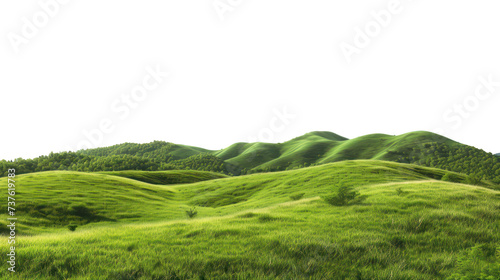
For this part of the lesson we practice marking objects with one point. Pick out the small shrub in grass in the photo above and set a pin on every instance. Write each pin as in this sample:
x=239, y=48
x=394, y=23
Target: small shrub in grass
x=400, y=192
x=296, y=196
x=72, y=227
x=247, y=215
x=191, y=213
x=344, y=196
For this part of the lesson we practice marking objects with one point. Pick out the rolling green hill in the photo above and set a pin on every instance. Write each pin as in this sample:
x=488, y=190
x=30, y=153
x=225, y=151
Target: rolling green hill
x=54, y=199
x=412, y=225
x=323, y=147
x=115, y=196
x=315, y=148
x=422, y=148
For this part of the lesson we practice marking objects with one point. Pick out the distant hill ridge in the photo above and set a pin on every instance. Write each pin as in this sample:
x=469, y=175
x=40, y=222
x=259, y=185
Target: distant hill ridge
x=314, y=148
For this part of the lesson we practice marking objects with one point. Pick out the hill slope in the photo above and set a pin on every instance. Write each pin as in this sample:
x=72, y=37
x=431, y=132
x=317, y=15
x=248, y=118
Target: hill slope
x=423, y=148
x=410, y=226
x=319, y=147
x=57, y=198
x=54, y=199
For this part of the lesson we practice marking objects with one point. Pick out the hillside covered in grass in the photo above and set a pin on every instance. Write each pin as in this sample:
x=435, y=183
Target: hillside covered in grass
x=411, y=225
x=315, y=148
x=324, y=147
x=57, y=198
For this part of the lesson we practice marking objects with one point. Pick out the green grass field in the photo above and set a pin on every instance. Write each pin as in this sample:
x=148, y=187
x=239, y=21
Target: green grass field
x=133, y=225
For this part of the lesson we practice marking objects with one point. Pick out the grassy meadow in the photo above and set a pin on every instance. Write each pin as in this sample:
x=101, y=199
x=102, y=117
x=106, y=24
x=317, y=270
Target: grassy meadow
x=133, y=225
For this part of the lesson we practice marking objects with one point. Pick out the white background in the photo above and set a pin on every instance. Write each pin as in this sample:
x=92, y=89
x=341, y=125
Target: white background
x=227, y=76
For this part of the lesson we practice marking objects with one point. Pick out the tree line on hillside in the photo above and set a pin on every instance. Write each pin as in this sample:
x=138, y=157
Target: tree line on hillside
x=157, y=150
x=159, y=155
x=87, y=163
x=465, y=159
